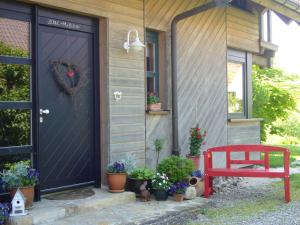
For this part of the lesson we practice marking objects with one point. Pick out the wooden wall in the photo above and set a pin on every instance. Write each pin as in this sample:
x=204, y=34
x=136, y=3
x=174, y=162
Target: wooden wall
x=125, y=71
x=242, y=30
x=158, y=16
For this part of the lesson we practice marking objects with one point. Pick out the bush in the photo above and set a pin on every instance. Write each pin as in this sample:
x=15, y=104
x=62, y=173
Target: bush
x=142, y=174
x=176, y=168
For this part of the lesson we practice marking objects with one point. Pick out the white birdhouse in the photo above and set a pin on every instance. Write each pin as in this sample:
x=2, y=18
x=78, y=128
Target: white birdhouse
x=18, y=205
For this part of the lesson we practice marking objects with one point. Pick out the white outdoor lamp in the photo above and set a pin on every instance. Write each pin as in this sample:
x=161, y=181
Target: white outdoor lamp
x=136, y=45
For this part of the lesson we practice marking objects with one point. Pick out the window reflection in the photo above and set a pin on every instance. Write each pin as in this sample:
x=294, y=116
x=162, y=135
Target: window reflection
x=14, y=37
x=235, y=74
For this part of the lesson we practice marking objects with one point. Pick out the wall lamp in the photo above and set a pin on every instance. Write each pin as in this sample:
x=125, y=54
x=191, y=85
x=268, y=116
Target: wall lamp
x=136, y=45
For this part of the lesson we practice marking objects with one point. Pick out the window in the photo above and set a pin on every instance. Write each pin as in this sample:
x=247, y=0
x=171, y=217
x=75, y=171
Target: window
x=155, y=65
x=238, y=84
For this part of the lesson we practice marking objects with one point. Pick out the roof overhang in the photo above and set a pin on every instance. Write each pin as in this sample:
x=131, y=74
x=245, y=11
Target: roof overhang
x=287, y=10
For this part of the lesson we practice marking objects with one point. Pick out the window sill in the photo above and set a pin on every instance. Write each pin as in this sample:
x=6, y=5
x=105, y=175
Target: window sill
x=245, y=120
x=158, y=112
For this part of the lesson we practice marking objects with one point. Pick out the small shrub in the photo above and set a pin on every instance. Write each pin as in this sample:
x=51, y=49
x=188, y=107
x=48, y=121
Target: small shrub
x=142, y=174
x=176, y=168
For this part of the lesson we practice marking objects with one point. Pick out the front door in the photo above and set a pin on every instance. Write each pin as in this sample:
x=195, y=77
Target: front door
x=66, y=97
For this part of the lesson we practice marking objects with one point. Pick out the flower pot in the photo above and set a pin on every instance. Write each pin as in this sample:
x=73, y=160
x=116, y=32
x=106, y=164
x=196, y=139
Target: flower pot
x=28, y=193
x=196, y=160
x=116, y=182
x=198, y=184
x=134, y=185
x=161, y=195
x=178, y=197
x=154, y=107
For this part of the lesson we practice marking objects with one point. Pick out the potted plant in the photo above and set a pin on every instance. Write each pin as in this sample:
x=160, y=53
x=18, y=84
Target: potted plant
x=196, y=140
x=137, y=177
x=4, y=213
x=21, y=175
x=158, y=145
x=116, y=177
x=178, y=190
x=176, y=168
x=161, y=185
x=153, y=103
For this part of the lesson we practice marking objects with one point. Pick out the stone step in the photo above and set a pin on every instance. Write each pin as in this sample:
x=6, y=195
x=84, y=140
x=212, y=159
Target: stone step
x=138, y=213
x=49, y=211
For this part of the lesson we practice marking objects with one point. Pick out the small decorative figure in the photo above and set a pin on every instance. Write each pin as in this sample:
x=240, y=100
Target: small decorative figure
x=18, y=205
x=145, y=194
x=190, y=193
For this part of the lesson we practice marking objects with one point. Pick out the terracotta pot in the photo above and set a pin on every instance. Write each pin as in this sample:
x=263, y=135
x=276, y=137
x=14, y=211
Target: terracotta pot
x=196, y=161
x=198, y=184
x=154, y=107
x=161, y=195
x=116, y=182
x=178, y=197
x=28, y=193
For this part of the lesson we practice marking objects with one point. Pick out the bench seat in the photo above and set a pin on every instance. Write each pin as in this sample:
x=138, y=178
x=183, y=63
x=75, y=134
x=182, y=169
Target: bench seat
x=271, y=173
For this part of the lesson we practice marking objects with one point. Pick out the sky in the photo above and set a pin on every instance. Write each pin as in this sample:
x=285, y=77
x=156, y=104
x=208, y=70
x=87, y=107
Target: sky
x=288, y=39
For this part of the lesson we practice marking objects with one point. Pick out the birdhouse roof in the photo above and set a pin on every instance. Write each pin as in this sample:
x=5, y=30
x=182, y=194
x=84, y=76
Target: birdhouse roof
x=18, y=195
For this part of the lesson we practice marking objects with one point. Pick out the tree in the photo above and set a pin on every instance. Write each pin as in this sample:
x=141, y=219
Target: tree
x=271, y=100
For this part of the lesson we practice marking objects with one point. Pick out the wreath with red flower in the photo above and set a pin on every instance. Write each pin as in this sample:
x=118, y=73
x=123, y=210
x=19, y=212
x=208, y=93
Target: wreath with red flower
x=76, y=80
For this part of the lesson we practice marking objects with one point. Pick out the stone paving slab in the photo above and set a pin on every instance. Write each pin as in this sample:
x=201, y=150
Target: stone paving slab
x=47, y=211
x=135, y=213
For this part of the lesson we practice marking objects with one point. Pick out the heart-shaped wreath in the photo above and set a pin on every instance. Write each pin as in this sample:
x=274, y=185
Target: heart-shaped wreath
x=75, y=79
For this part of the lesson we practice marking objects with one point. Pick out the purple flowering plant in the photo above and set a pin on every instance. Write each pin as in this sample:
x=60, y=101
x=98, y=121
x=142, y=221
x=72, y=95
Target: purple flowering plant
x=4, y=212
x=20, y=174
x=178, y=188
x=116, y=167
x=197, y=173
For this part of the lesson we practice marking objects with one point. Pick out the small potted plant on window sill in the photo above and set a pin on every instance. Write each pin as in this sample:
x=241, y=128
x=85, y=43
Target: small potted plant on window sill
x=153, y=103
x=21, y=176
x=116, y=177
x=196, y=140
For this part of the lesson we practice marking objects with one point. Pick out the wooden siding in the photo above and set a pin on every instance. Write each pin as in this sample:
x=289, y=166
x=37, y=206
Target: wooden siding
x=158, y=16
x=202, y=95
x=126, y=71
x=242, y=30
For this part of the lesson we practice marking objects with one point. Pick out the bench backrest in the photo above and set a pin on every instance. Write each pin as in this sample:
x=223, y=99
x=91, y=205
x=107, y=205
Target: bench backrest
x=247, y=149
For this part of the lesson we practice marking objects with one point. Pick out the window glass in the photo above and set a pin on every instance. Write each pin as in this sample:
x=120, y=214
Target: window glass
x=150, y=57
x=15, y=127
x=14, y=38
x=235, y=78
x=7, y=159
x=265, y=25
x=14, y=82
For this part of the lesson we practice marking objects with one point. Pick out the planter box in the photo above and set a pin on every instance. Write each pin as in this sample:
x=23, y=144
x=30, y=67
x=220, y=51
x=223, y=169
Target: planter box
x=154, y=107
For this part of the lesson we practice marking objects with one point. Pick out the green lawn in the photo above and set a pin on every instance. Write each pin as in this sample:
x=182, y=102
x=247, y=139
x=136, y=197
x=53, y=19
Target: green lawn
x=276, y=159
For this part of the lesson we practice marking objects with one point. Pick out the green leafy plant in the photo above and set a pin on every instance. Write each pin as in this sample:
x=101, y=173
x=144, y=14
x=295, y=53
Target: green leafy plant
x=142, y=174
x=271, y=99
x=196, y=140
x=161, y=182
x=176, y=168
x=152, y=98
x=158, y=145
x=20, y=174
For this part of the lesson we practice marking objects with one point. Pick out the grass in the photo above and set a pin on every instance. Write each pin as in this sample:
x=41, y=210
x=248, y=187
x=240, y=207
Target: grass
x=276, y=159
x=271, y=202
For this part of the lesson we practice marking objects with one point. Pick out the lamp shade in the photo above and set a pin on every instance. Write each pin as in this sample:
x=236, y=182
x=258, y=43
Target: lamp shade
x=137, y=44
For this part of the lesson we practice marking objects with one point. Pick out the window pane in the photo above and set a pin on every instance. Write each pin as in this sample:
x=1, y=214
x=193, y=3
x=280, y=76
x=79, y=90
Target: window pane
x=235, y=87
x=14, y=82
x=150, y=57
x=15, y=127
x=5, y=159
x=14, y=37
x=265, y=24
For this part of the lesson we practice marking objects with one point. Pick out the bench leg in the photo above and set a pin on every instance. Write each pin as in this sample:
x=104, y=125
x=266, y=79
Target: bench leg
x=287, y=189
x=206, y=186
x=211, y=189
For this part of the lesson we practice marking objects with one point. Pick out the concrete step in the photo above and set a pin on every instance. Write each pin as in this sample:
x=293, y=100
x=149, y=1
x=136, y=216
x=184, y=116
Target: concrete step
x=139, y=213
x=49, y=211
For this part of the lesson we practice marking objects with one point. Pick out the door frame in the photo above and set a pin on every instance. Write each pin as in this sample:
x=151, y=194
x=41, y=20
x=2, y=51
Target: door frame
x=23, y=10
x=96, y=96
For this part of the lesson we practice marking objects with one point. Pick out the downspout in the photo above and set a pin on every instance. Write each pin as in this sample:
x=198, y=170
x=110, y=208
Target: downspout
x=184, y=15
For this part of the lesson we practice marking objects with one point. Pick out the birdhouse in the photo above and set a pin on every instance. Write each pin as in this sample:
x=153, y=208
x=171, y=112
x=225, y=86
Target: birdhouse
x=18, y=204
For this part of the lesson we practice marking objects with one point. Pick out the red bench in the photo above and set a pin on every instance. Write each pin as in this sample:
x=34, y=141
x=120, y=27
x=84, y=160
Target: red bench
x=210, y=172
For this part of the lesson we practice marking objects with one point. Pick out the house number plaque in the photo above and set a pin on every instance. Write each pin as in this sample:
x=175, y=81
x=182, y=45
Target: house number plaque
x=65, y=24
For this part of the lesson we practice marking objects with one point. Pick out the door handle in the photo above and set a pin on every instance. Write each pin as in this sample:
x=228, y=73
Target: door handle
x=44, y=111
